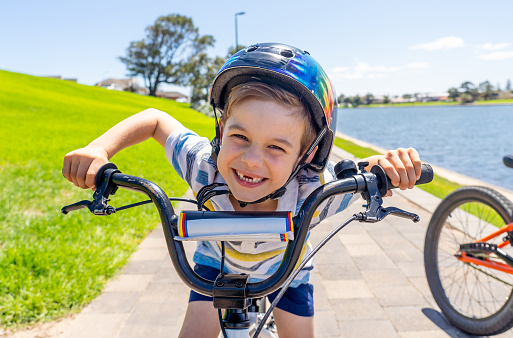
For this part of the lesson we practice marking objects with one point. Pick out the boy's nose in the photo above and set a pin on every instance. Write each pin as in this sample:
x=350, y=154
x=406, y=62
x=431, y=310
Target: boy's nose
x=253, y=157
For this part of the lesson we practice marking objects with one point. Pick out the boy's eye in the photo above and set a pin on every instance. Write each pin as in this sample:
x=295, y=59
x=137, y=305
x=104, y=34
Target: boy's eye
x=239, y=136
x=277, y=148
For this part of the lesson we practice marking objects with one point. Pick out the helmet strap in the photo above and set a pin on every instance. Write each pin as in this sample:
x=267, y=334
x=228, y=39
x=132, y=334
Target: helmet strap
x=216, y=141
x=208, y=191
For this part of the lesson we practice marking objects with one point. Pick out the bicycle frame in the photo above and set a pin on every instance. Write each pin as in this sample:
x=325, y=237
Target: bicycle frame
x=487, y=262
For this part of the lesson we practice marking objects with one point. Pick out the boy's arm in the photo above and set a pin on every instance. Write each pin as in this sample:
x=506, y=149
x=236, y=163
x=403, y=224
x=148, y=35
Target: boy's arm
x=402, y=166
x=80, y=166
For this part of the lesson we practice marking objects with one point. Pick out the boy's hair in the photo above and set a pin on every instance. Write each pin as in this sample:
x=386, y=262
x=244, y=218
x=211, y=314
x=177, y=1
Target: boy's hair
x=270, y=92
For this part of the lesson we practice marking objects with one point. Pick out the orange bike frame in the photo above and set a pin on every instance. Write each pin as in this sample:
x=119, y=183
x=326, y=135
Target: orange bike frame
x=492, y=264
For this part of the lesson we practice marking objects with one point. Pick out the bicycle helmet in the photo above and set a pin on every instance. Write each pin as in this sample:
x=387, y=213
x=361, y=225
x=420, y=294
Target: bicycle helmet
x=297, y=72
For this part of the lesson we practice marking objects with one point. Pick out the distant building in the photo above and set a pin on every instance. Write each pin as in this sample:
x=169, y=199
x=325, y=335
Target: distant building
x=433, y=97
x=380, y=99
x=59, y=77
x=178, y=97
x=401, y=100
x=503, y=95
x=127, y=85
x=131, y=85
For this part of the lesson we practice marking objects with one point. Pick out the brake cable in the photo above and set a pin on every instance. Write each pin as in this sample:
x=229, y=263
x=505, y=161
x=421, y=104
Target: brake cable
x=172, y=199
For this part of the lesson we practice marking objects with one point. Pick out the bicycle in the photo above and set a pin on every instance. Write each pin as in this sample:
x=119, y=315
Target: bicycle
x=234, y=293
x=468, y=259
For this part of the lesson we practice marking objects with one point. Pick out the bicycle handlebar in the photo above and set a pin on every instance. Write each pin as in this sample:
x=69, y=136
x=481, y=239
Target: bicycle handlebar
x=508, y=160
x=370, y=184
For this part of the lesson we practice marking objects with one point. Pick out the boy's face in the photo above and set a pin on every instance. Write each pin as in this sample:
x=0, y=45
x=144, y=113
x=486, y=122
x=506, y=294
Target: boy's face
x=260, y=146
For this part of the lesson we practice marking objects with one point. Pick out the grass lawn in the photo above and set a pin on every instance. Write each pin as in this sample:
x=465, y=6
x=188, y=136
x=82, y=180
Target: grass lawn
x=53, y=264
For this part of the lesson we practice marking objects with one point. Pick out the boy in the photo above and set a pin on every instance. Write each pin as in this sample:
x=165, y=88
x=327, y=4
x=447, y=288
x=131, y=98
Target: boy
x=271, y=150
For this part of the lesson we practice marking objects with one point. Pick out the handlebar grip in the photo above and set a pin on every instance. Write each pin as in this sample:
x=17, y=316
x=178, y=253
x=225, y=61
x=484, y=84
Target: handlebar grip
x=426, y=176
x=99, y=175
x=508, y=160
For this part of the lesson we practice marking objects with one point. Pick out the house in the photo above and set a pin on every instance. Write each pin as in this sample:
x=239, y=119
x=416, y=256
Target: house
x=399, y=100
x=433, y=97
x=504, y=95
x=131, y=85
x=128, y=85
x=178, y=97
x=59, y=77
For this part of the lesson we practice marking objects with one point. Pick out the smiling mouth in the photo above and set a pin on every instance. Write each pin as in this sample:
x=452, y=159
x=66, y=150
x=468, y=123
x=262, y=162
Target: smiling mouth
x=247, y=178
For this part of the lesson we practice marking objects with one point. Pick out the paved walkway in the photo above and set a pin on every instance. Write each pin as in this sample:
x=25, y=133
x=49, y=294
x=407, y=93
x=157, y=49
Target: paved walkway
x=369, y=281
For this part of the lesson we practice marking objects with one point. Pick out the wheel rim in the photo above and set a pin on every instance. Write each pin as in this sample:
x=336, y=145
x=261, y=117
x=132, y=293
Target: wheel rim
x=474, y=291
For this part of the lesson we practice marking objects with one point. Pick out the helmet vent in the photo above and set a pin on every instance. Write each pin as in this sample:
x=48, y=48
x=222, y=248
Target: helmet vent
x=287, y=53
x=251, y=48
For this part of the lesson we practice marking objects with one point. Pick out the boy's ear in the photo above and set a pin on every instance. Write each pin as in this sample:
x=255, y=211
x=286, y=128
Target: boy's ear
x=311, y=156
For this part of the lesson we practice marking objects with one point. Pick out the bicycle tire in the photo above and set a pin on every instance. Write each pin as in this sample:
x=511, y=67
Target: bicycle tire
x=475, y=299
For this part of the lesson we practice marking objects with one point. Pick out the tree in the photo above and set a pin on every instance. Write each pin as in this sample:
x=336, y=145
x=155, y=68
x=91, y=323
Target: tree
x=368, y=99
x=232, y=50
x=486, y=90
x=470, y=89
x=357, y=100
x=348, y=101
x=340, y=98
x=453, y=93
x=466, y=98
x=162, y=55
x=386, y=99
x=508, y=85
x=199, y=71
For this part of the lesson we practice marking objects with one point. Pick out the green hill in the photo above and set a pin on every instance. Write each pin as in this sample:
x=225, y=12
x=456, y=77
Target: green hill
x=52, y=264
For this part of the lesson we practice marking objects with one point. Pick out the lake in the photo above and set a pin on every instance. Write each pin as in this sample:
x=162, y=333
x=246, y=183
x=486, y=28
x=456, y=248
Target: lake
x=470, y=140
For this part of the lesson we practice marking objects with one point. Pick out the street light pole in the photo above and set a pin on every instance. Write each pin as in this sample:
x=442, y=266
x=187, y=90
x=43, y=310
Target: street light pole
x=236, y=31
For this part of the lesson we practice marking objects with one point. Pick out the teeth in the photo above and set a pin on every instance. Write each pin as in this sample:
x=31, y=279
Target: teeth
x=247, y=179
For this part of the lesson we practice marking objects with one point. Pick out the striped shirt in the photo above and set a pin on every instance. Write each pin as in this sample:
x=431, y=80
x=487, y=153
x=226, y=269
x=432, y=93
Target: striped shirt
x=190, y=156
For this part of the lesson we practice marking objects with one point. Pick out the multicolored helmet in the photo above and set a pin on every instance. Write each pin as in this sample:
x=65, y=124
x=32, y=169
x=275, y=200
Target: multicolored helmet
x=292, y=69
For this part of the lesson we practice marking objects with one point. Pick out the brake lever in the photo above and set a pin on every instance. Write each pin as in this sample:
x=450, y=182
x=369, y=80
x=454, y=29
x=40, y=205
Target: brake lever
x=374, y=211
x=399, y=213
x=98, y=205
x=76, y=206
x=381, y=213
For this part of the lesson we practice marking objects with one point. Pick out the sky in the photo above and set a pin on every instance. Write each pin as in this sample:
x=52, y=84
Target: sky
x=379, y=47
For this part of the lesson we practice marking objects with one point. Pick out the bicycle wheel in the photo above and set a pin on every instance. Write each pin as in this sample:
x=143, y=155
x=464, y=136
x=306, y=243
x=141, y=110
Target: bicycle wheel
x=475, y=299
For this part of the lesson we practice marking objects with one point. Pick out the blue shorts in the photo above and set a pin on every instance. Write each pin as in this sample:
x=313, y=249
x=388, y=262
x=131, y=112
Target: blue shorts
x=298, y=301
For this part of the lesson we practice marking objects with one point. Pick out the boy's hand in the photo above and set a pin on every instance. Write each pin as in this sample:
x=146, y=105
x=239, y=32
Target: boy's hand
x=81, y=165
x=402, y=166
